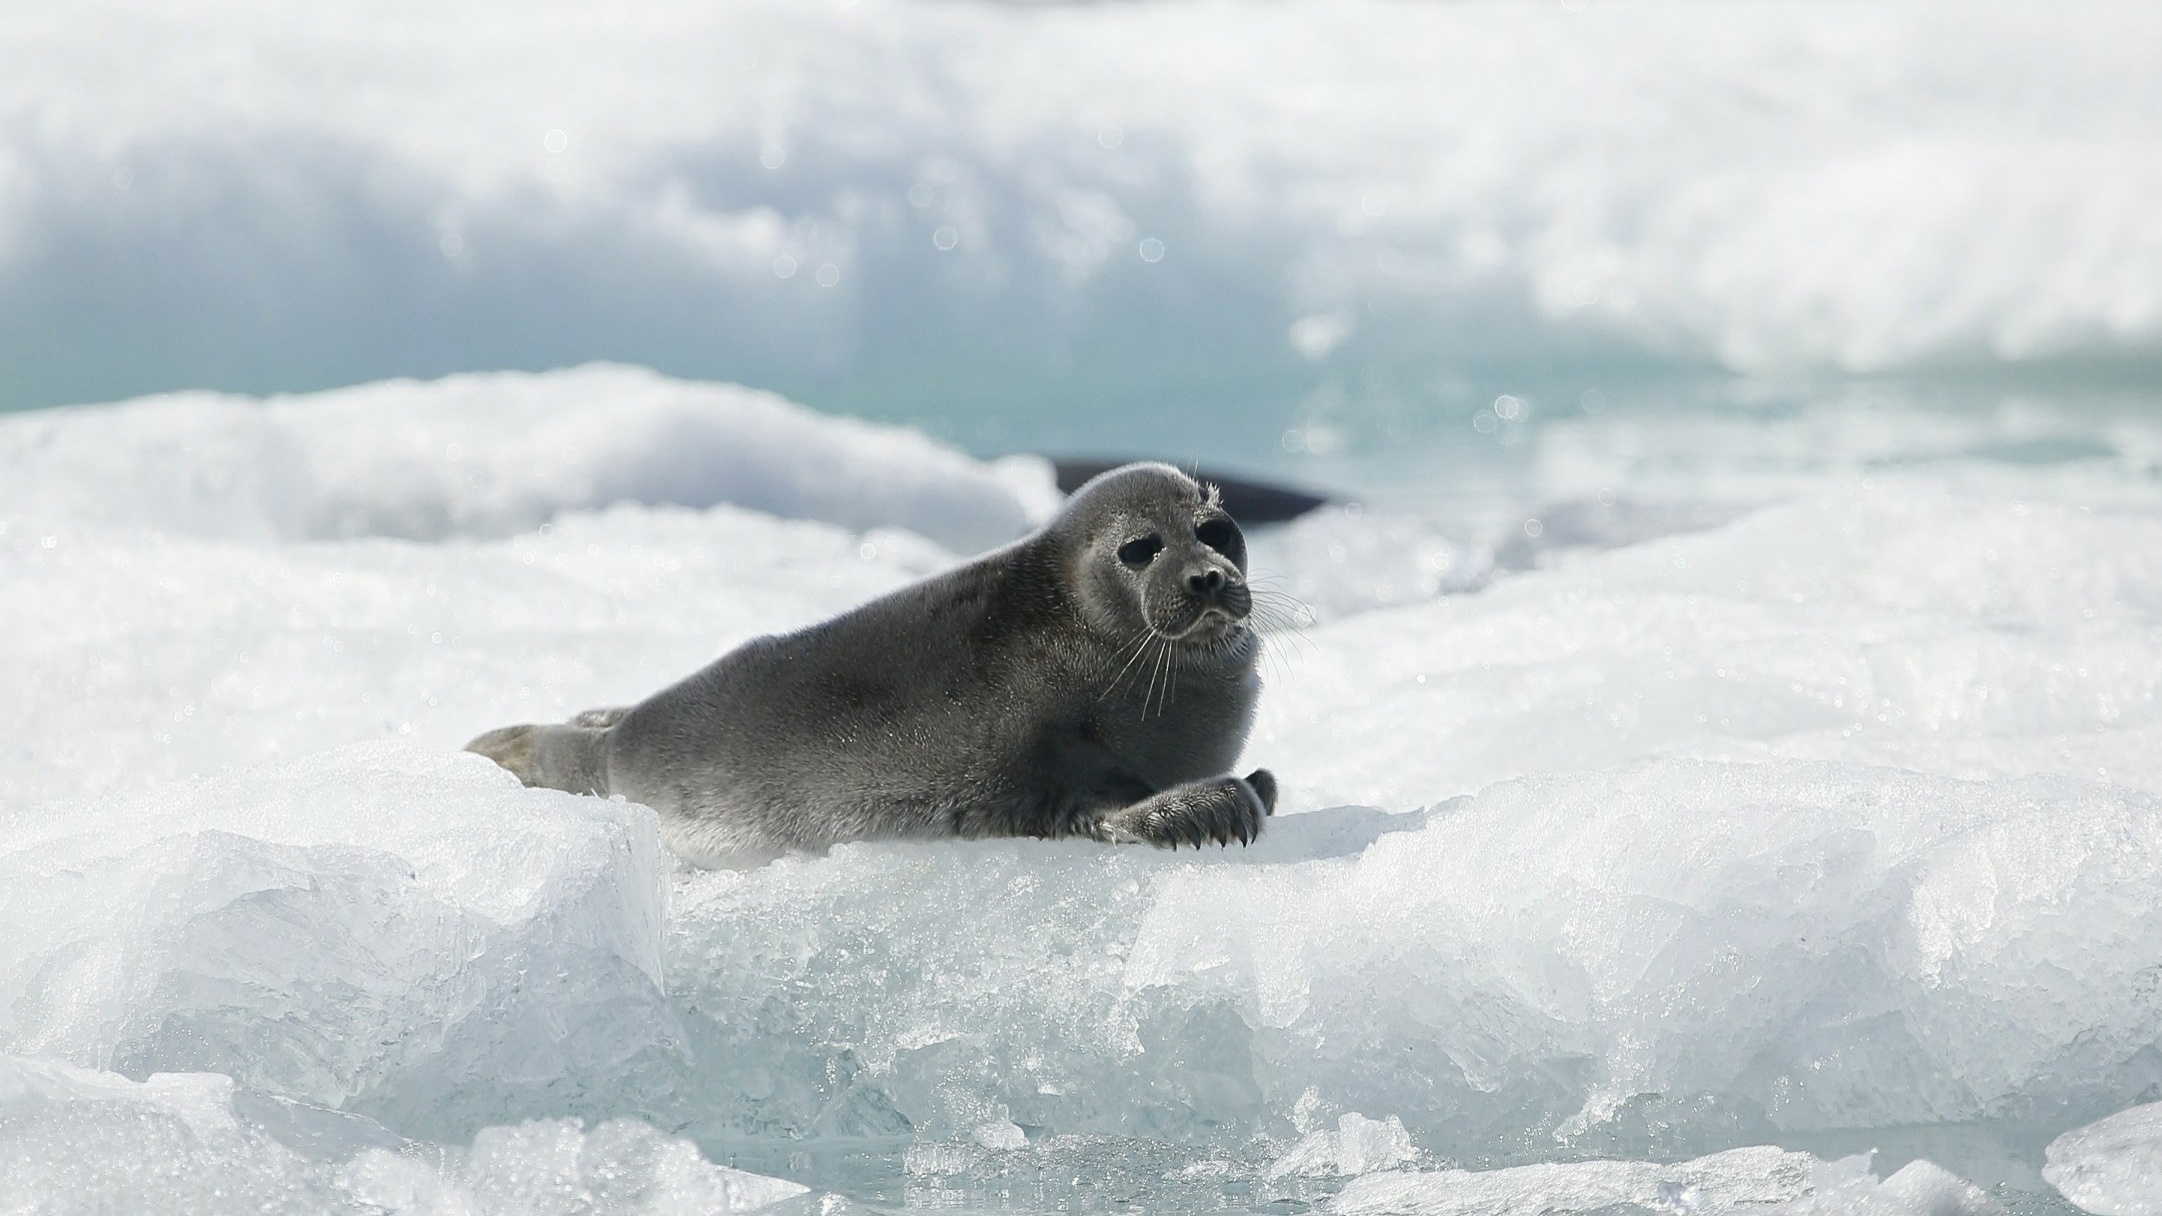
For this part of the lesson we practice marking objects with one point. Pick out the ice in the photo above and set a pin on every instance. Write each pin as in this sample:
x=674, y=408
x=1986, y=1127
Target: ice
x=396, y=932
x=1357, y=1145
x=1919, y=1188
x=77, y=1140
x=857, y=199
x=2112, y=1167
x=1890, y=928
x=1790, y=823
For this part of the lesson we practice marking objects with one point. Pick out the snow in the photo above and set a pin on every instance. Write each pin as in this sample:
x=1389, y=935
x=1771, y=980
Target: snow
x=873, y=193
x=1643, y=863
x=494, y=454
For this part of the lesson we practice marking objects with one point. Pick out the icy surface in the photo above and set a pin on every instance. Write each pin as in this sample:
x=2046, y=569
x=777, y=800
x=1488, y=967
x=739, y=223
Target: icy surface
x=74, y=1140
x=2112, y=1167
x=1794, y=821
x=1119, y=193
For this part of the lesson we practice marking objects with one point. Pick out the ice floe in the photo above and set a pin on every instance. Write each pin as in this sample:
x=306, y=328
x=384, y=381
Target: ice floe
x=1829, y=817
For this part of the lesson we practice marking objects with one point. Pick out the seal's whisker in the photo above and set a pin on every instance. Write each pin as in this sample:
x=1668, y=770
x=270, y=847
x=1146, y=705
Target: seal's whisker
x=1155, y=671
x=1139, y=645
x=1172, y=691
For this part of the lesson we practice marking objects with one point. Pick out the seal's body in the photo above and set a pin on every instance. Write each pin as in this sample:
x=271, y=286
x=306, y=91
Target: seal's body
x=1095, y=679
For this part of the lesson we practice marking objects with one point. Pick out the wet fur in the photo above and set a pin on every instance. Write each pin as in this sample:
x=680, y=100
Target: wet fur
x=1039, y=690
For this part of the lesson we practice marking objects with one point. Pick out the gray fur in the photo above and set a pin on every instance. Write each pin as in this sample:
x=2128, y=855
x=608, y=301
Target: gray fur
x=1051, y=688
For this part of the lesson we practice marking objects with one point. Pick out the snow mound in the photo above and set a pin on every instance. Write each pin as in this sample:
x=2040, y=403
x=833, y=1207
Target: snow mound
x=2112, y=1167
x=488, y=455
x=74, y=1140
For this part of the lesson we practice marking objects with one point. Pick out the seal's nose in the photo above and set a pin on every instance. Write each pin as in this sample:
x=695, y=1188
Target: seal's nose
x=1207, y=584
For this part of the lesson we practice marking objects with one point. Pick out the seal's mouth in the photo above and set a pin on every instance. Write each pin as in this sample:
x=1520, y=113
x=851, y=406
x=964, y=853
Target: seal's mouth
x=1204, y=622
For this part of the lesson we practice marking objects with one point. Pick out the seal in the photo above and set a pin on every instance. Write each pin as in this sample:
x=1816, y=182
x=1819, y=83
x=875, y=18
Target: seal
x=1096, y=679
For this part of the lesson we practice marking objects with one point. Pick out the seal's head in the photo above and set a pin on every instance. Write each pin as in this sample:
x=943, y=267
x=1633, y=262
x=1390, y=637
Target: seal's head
x=1152, y=549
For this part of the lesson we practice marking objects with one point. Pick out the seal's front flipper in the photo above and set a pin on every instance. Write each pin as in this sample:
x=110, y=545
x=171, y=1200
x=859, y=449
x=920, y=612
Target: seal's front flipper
x=1222, y=809
x=572, y=758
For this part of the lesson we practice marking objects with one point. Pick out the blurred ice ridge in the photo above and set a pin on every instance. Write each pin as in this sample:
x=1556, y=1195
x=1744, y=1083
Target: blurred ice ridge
x=876, y=193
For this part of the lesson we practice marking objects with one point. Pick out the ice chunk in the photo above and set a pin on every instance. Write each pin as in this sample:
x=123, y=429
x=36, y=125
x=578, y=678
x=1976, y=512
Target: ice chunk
x=1888, y=925
x=2112, y=1167
x=74, y=1140
x=1357, y=1145
x=487, y=455
x=1920, y=1188
x=403, y=933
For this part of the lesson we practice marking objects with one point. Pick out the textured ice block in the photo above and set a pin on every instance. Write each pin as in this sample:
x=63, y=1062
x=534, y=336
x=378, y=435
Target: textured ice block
x=2112, y=1167
x=404, y=933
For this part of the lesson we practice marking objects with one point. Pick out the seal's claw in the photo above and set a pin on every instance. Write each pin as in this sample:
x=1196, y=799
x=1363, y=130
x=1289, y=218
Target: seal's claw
x=1223, y=810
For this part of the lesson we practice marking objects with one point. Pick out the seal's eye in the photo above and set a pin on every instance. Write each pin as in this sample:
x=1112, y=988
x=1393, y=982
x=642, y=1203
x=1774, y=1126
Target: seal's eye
x=1139, y=553
x=1217, y=534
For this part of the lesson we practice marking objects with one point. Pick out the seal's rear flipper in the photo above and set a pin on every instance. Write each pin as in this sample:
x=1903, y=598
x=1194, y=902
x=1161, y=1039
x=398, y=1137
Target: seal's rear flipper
x=573, y=758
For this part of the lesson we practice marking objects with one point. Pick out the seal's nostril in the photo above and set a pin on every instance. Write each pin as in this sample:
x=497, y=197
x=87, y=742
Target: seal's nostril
x=1205, y=583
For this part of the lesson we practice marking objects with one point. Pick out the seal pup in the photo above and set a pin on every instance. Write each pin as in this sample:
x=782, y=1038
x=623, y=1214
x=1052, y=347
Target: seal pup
x=1095, y=679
